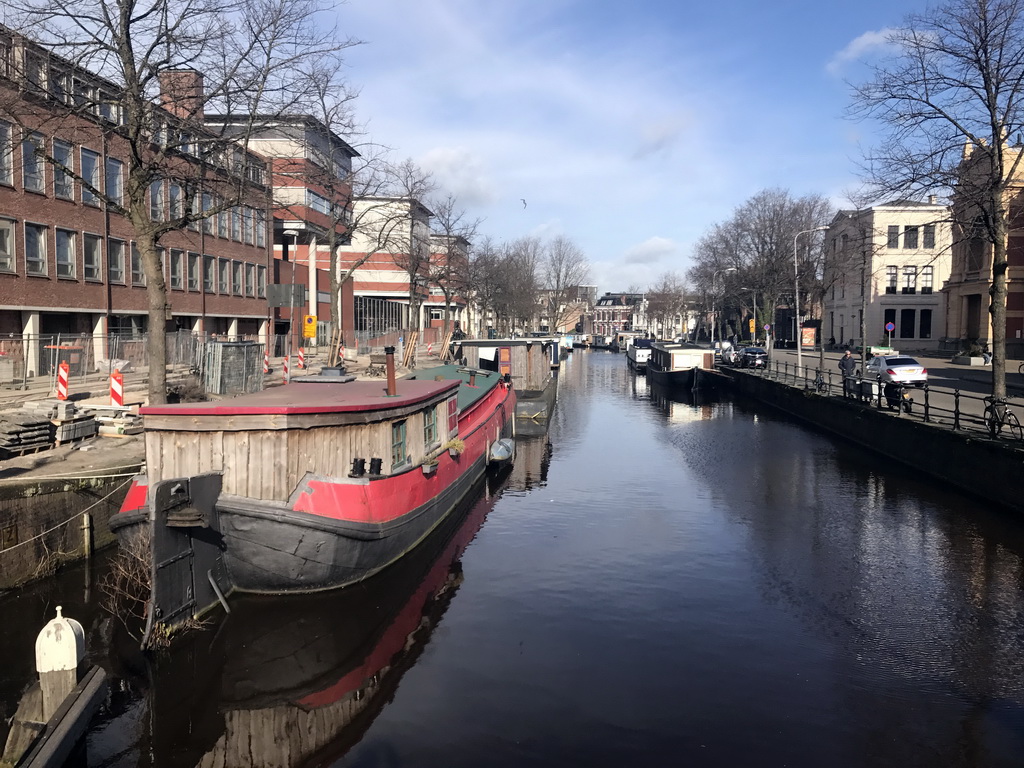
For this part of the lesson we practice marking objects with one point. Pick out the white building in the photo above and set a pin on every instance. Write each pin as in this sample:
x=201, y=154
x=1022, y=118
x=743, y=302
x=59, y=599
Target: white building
x=888, y=261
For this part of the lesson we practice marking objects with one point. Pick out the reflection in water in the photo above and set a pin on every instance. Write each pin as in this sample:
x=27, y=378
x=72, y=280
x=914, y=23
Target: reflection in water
x=686, y=405
x=296, y=680
x=696, y=583
x=533, y=459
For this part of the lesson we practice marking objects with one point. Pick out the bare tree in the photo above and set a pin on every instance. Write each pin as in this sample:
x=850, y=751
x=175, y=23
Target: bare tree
x=950, y=96
x=410, y=242
x=521, y=267
x=752, y=253
x=160, y=68
x=565, y=269
x=453, y=234
x=666, y=301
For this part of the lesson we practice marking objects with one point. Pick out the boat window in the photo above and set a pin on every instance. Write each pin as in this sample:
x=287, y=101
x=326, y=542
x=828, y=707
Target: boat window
x=453, y=416
x=430, y=426
x=398, y=452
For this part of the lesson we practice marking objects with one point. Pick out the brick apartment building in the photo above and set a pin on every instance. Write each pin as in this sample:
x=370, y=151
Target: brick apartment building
x=311, y=170
x=68, y=264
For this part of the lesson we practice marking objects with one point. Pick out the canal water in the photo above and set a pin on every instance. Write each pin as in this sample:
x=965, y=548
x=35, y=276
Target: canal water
x=655, y=582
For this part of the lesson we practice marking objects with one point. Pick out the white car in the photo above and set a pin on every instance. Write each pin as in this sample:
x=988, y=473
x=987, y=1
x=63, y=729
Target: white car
x=730, y=356
x=898, y=369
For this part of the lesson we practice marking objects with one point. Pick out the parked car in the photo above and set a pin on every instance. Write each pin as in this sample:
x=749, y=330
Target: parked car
x=730, y=356
x=897, y=369
x=753, y=357
x=719, y=347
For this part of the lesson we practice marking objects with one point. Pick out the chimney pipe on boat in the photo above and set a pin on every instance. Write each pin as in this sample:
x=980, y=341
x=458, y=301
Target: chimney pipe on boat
x=390, y=364
x=376, y=465
x=358, y=468
x=472, y=378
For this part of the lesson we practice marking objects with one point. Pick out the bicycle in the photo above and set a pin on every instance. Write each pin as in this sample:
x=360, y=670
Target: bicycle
x=1020, y=369
x=820, y=385
x=998, y=416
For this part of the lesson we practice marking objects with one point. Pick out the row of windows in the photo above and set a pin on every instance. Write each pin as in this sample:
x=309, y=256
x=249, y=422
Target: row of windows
x=226, y=277
x=911, y=277
x=123, y=262
x=911, y=235
x=612, y=315
x=106, y=176
x=905, y=328
x=103, y=175
x=75, y=89
x=431, y=439
x=239, y=223
x=910, y=324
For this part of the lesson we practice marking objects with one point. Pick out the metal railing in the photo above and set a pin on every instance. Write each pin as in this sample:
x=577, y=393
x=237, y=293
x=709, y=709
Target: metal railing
x=943, y=407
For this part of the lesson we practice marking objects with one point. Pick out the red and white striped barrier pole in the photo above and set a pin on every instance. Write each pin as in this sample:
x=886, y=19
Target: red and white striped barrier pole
x=266, y=361
x=62, y=381
x=302, y=359
x=287, y=372
x=116, y=388
x=430, y=349
x=342, y=354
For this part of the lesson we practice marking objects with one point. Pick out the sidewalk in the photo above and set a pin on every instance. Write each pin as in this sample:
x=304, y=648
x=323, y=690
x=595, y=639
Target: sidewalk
x=941, y=369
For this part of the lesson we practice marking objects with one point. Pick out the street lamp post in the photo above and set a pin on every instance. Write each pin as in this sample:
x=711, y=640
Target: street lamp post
x=714, y=293
x=796, y=297
x=293, y=256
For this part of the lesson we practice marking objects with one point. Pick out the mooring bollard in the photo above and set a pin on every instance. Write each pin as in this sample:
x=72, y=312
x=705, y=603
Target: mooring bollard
x=60, y=648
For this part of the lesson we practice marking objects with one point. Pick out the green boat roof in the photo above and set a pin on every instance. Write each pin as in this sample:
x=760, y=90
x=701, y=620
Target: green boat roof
x=485, y=381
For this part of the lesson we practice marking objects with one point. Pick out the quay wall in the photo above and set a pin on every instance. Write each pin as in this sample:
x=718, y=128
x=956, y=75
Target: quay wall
x=41, y=525
x=984, y=468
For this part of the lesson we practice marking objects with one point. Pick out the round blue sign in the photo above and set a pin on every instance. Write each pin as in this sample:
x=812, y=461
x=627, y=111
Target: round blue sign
x=890, y=327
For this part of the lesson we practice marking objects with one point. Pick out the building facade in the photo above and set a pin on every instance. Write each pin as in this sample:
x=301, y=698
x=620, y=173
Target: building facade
x=69, y=264
x=889, y=263
x=311, y=176
x=390, y=252
x=616, y=312
x=967, y=290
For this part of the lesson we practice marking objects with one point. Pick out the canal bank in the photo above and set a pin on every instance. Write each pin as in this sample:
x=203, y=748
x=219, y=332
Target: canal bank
x=984, y=468
x=55, y=506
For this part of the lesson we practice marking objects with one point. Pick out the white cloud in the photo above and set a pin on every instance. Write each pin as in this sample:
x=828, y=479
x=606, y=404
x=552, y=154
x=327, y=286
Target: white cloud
x=858, y=48
x=460, y=172
x=630, y=140
x=651, y=251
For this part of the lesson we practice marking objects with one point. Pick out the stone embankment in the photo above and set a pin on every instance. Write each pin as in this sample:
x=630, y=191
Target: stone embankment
x=969, y=460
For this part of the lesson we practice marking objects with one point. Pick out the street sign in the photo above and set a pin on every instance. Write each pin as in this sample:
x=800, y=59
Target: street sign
x=767, y=327
x=309, y=326
x=890, y=327
x=286, y=295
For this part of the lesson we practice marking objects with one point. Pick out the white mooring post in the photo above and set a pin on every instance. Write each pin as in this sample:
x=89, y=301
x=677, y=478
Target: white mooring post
x=60, y=649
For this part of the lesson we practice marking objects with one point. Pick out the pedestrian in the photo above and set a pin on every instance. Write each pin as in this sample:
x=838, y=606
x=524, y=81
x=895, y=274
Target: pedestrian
x=847, y=366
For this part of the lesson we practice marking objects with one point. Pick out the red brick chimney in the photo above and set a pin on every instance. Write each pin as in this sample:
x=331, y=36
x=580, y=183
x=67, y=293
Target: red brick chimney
x=181, y=93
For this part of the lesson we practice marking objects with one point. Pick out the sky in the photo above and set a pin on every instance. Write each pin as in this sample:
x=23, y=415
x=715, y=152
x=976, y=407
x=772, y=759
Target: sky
x=629, y=128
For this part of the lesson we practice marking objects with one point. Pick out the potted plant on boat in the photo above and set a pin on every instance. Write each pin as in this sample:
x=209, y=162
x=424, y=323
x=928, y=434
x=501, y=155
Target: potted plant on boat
x=455, y=447
x=429, y=467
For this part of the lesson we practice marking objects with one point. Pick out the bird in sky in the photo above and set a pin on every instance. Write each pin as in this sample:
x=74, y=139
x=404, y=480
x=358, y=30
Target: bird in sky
x=524, y=202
